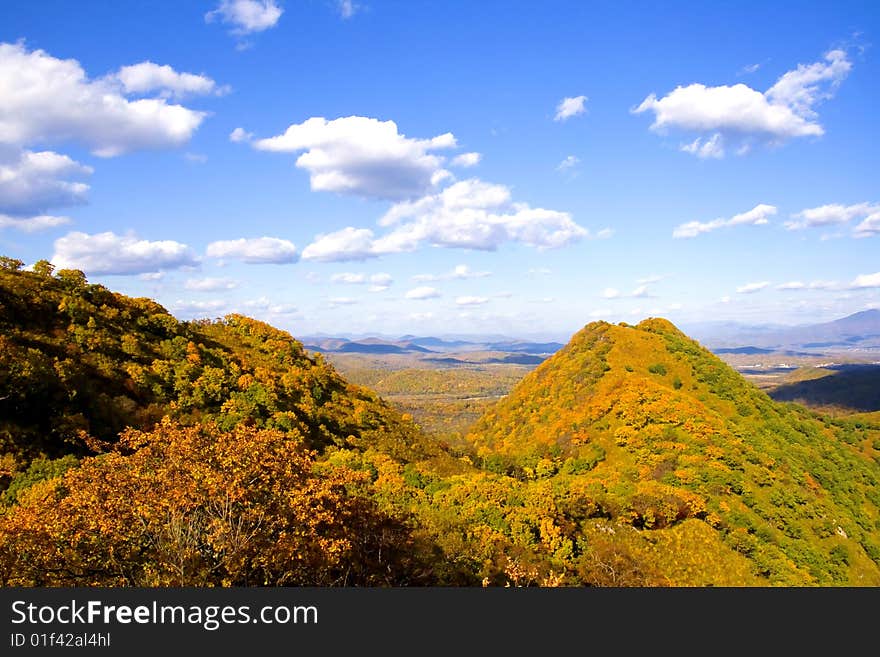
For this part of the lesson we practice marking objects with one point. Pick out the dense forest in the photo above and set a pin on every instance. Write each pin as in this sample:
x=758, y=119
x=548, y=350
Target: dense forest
x=139, y=450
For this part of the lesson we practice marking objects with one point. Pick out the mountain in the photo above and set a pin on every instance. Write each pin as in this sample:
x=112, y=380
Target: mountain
x=139, y=450
x=677, y=459
x=848, y=387
x=857, y=331
x=79, y=362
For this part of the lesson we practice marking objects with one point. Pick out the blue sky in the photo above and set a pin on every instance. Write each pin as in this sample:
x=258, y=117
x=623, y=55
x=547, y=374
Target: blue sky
x=456, y=167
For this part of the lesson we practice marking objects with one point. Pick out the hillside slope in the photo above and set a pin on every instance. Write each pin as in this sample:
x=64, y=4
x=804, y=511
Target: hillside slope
x=658, y=434
x=79, y=364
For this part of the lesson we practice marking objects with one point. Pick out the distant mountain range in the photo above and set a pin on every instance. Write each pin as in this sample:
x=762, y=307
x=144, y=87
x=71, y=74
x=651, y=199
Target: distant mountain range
x=529, y=352
x=857, y=332
x=860, y=331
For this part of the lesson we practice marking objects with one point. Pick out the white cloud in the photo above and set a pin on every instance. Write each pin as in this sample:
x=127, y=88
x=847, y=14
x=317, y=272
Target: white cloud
x=804, y=87
x=568, y=163
x=152, y=276
x=210, y=284
x=147, y=76
x=713, y=147
x=540, y=271
x=32, y=224
x=246, y=16
x=602, y=312
x=342, y=301
x=32, y=182
x=652, y=278
x=870, y=226
x=363, y=156
x=348, y=8
x=471, y=301
x=757, y=216
x=831, y=214
x=717, y=114
x=380, y=282
x=469, y=214
x=458, y=272
x=725, y=299
x=813, y=285
x=569, y=107
x=421, y=317
x=466, y=160
x=198, y=307
x=254, y=251
x=865, y=281
x=349, y=278
x=44, y=99
x=751, y=288
x=271, y=307
x=108, y=253
x=195, y=158
x=641, y=292
x=423, y=292
x=240, y=135
x=342, y=245
x=476, y=215
x=751, y=68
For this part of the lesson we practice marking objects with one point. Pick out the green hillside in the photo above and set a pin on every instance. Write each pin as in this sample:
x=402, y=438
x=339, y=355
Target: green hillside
x=139, y=450
x=660, y=434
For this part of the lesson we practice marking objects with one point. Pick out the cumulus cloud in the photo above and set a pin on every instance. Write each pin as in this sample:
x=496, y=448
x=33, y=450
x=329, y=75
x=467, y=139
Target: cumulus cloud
x=652, y=278
x=270, y=307
x=703, y=148
x=469, y=214
x=254, y=251
x=813, y=285
x=198, y=308
x=742, y=114
x=757, y=216
x=240, y=135
x=32, y=224
x=471, y=301
x=865, y=281
x=476, y=215
x=210, y=284
x=246, y=16
x=569, y=107
x=349, y=278
x=641, y=292
x=342, y=245
x=44, y=99
x=460, y=272
x=363, y=156
x=466, y=160
x=870, y=226
x=147, y=77
x=569, y=163
x=833, y=214
x=347, y=8
x=32, y=182
x=751, y=288
x=108, y=253
x=423, y=292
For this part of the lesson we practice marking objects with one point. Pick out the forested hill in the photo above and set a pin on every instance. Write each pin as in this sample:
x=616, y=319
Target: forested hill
x=79, y=363
x=665, y=434
x=139, y=450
